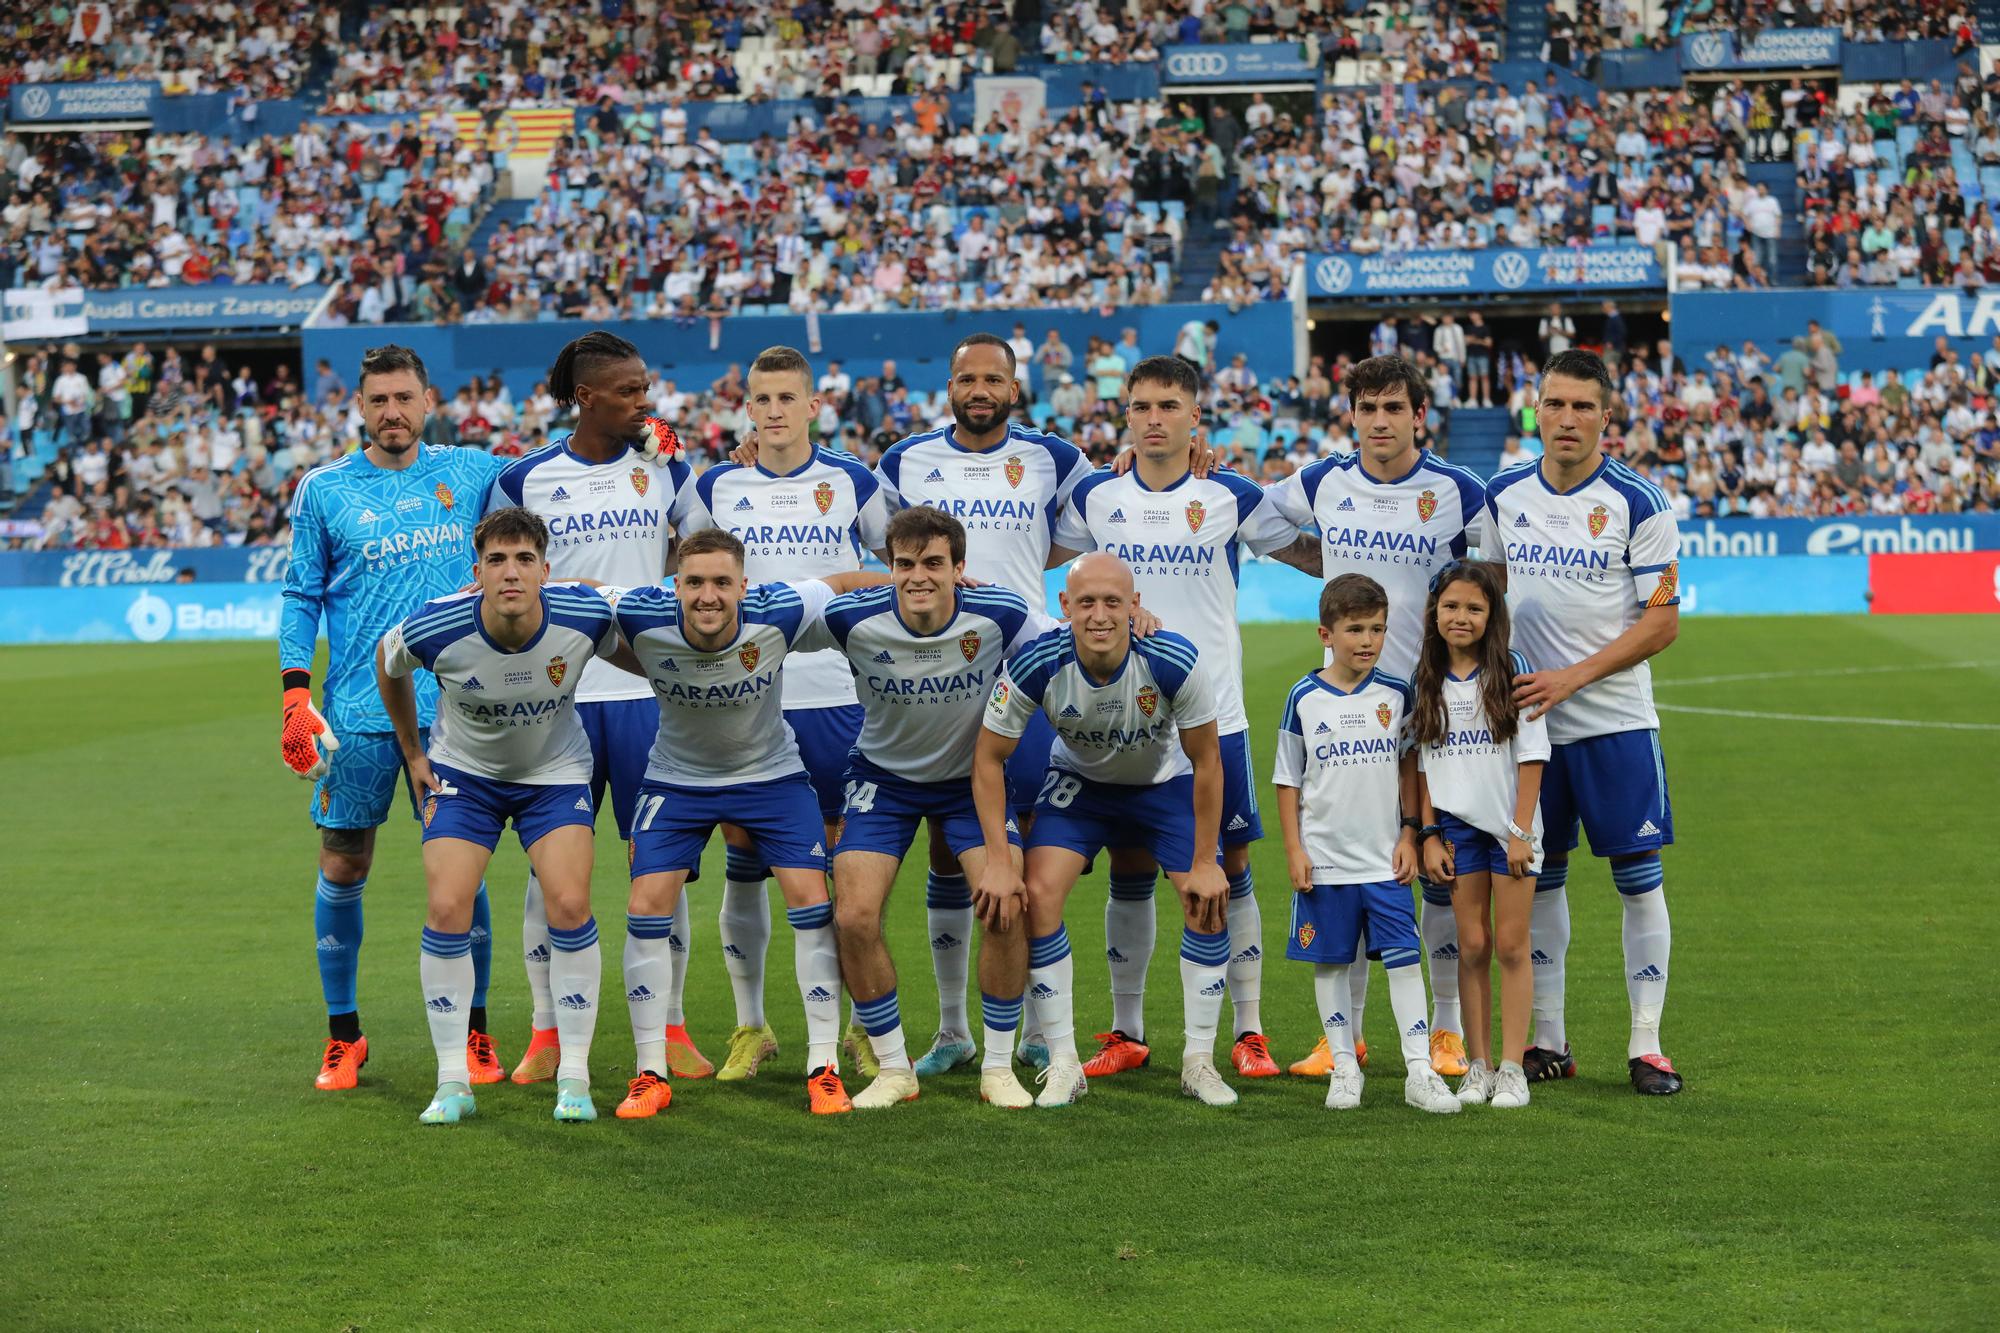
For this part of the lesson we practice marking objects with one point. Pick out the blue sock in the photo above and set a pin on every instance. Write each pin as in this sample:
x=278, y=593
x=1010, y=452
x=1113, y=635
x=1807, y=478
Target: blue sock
x=880, y=1016
x=946, y=893
x=1634, y=875
x=482, y=947
x=742, y=865
x=1002, y=1018
x=337, y=928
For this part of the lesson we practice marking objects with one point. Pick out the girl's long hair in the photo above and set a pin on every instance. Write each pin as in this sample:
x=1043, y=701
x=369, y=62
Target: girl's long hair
x=1496, y=663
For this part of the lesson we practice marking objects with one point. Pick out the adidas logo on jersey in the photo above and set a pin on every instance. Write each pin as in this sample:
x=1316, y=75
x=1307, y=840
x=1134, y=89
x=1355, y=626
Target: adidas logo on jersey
x=668, y=665
x=1069, y=710
x=1648, y=830
x=1346, y=506
x=935, y=476
x=945, y=942
x=1213, y=988
x=572, y=1001
x=1540, y=959
x=1238, y=823
x=471, y=683
x=538, y=954
x=1322, y=729
x=558, y=494
x=1112, y=955
x=1520, y=520
x=1336, y=1020
x=1650, y=972
x=732, y=951
x=639, y=994
x=1042, y=991
x=1447, y=953
x=1117, y=516
x=440, y=1004
x=583, y=804
x=370, y=516
x=884, y=657
x=818, y=995
x=331, y=944
x=1418, y=1028
x=743, y=506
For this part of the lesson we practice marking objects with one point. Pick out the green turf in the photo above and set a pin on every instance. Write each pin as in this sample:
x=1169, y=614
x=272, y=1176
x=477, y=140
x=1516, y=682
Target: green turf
x=167, y=1162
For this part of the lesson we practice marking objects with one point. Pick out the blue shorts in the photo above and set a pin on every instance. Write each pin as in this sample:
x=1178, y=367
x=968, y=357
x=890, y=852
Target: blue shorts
x=883, y=810
x=672, y=824
x=1241, y=824
x=1086, y=817
x=1327, y=924
x=826, y=736
x=477, y=809
x=621, y=735
x=1617, y=786
x=1028, y=766
x=1474, y=850
x=361, y=780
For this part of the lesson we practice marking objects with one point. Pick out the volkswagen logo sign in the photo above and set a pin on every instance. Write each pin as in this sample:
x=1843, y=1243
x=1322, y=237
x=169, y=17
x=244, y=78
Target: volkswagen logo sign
x=1196, y=64
x=1333, y=274
x=1510, y=270
x=36, y=102
x=1707, y=49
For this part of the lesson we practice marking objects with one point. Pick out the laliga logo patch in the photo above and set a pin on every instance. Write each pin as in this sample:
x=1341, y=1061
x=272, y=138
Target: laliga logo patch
x=1307, y=935
x=969, y=645
x=1427, y=504
x=1599, y=516
x=430, y=809
x=1149, y=699
x=557, y=668
x=999, y=693
x=823, y=496
x=747, y=655
x=1383, y=715
x=1015, y=470
x=1195, y=514
x=640, y=480
x=444, y=496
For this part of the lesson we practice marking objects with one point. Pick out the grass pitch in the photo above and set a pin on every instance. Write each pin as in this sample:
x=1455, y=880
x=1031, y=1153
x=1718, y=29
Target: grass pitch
x=168, y=1163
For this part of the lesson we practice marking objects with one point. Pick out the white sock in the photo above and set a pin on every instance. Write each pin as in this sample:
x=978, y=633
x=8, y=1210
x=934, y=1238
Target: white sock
x=1648, y=943
x=1412, y=1009
x=576, y=970
x=680, y=946
x=1001, y=1019
x=444, y=967
x=1204, y=963
x=1052, y=992
x=648, y=970
x=1246, y=960
x=816, y=963
x=948, y=912
x=1330, y=989
x=1357, y=986
x=1440, y=930
x=1131, y=933
x=535, y=954
x=745, y=928
x=883, y=1020
x=1548, y=946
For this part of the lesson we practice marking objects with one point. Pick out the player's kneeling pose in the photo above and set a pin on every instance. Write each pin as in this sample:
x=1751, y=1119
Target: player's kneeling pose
x=1135, y=763
x=506, y=746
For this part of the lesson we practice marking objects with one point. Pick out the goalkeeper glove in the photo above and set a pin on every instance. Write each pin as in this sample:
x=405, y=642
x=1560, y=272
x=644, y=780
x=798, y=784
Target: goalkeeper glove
x=304, y=729
x=659, y=443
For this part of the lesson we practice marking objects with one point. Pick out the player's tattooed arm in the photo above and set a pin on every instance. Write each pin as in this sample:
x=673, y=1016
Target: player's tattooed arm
x=1304, y=555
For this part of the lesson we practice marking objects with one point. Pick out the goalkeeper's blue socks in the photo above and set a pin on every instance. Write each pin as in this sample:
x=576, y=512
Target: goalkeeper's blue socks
x=337, y=928
x=482, y=955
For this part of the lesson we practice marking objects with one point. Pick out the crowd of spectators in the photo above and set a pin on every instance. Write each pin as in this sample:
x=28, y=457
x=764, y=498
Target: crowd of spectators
x=258, y=50
x=1857, y=20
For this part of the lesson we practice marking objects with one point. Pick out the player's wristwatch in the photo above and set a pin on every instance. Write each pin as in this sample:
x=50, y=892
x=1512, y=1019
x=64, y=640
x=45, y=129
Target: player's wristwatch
x=1414, y=824
x=1429, y=831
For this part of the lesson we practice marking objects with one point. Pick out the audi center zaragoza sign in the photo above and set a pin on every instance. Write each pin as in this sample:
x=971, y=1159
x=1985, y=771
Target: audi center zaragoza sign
x=1239, y=62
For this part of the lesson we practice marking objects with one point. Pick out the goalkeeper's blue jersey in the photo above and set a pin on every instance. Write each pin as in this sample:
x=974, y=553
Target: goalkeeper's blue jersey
x=370, y=546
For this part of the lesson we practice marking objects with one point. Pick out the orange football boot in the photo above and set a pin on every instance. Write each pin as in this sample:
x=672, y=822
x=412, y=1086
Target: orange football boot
x=1448, y=1054
x=539, y=1061
x=683, y=1060
x=645, y=1096
x=1320, y=1063
x=340, y=1067
x=1252, y=1056
x=824, y=1094
x=482, y=1060
x=1116, y=1053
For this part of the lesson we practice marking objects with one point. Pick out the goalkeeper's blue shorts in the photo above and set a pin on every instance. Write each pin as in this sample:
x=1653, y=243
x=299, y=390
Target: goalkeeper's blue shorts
x=360, y=781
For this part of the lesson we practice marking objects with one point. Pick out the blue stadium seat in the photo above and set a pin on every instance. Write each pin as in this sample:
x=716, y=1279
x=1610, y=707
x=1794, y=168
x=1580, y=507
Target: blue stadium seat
x=1906, y=138
x=1150, y=210
x=1175, y=209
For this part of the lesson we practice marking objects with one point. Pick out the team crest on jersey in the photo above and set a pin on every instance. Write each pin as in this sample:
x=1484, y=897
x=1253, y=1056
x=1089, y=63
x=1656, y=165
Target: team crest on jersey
x=444, y=496
x=641, y=479
x=747, y=655
x=969, y=645
x=1149, y=699
x=1599, y=516
x=1196, y=512
x=558, y=668
x=1427, y=504
x=1382, y=715
x=1015, y=470
x=1307, y=935
x=430, y=809
x=325, y=801
x=823, y=496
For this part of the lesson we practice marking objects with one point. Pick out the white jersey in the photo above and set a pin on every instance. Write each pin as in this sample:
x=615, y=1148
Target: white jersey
x=923, y=692
x=1184, y=544
x=1396, y=532
x=1125, y=731
x=1007, y=497
x=722, y=718
x=1470, y=774
x=508, y=716
x=806, y=524
x=1582, y=566
x=1342, y=752
x=611, y=522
